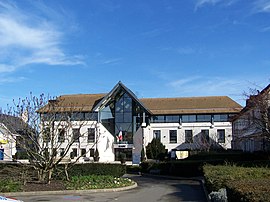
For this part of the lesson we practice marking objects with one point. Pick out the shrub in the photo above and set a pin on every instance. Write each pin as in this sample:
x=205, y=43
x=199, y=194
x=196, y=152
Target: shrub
x=243, y=184
x=181, y=168
x=249, y=190
x=155, y=150
x=133, y=169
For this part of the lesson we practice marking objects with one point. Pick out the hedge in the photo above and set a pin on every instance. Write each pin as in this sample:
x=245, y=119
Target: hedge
x=242, y=184
x=249, y=190
x=116, y=170
x=192, y=166
x=183, y=168
x=230, y=156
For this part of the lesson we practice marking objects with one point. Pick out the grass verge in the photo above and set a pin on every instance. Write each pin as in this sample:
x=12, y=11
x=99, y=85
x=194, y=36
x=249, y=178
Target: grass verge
x=8, y=185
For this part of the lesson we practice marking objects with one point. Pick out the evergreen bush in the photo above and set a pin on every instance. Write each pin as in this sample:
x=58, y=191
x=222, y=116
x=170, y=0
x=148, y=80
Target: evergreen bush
x=155, y=150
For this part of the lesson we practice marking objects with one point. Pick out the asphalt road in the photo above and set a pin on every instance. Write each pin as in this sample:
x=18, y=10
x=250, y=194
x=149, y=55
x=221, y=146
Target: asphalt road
x=150, y=189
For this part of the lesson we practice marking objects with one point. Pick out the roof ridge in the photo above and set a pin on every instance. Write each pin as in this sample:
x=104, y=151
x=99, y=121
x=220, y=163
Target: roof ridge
x=81, y=94
x=187, y=97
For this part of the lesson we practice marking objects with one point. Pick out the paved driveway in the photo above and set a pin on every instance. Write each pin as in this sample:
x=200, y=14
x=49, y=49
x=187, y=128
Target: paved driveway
x=150, y=189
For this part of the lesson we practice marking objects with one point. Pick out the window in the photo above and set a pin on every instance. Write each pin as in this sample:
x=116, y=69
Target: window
x=83, y=152
x=157, y=134
x=91, y=135
x=188, y=118
x=91, y=116
x=188, y=136
x=61, y=116
x=204, y=118
x=158, y=119
x=77, y=116
x=74, y=153
x=221, y=135
x=172, y=119
x=173, y=136
x=61, y=135
x=205, y=136
x=220, y=117
x=62, y=151
x=47, y=117
x=46, y=135
x=76, y=134
x=92, y=152
x=124, y=118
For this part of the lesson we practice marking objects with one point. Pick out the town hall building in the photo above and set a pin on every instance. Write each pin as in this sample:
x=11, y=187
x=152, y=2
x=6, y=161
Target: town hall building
x=120, y=122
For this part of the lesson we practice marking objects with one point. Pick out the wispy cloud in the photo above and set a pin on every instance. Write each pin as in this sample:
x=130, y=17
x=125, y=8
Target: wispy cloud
x=111, y=61
x=185, y=50
x=261, y=6
x=203, y=86
x=256, y=5
x=201, y=3
x=265, y=29
x=181, y=82
x=6, y=68
x=26, y=39
x=207, y=86
x=11, y=79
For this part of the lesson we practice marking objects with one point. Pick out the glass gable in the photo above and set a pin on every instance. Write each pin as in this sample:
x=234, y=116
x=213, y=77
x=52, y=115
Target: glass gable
x=122, y=116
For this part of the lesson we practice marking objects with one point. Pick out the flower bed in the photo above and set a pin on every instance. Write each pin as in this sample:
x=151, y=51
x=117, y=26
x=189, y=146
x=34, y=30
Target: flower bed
x=97, y=182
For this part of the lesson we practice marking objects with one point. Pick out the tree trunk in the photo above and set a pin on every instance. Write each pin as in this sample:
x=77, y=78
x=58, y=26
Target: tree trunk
x=50, y=175
x=41, y=175
x=66, y=172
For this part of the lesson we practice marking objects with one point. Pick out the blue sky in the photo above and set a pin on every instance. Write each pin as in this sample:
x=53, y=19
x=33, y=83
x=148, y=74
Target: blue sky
x=157, y=48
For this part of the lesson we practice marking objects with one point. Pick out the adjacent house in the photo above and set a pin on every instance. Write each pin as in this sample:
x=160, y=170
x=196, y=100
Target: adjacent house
x=11, y=128
x=251, y=127
x=119, y=122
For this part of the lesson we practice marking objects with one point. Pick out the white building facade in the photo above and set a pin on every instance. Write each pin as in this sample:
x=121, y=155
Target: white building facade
x=119, y=122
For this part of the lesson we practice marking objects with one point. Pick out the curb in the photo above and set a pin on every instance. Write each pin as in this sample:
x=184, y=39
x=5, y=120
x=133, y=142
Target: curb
x=69, y=191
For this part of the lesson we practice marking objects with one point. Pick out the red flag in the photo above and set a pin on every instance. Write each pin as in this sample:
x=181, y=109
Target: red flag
x=120, y=136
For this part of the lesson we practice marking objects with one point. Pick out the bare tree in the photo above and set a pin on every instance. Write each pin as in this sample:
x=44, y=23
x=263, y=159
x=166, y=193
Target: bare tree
x=204, y=140
x=255, y=117
x=52, y=133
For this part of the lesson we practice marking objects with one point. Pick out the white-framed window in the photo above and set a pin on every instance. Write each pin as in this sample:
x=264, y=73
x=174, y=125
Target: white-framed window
x=62, y=150
x=173, y=136
x=61, y=135
x=157, y=134
x=46, y=134
x=83, y=152
x=76, y=134
x=74, y=153
x=91, y=135
x=221, y=135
